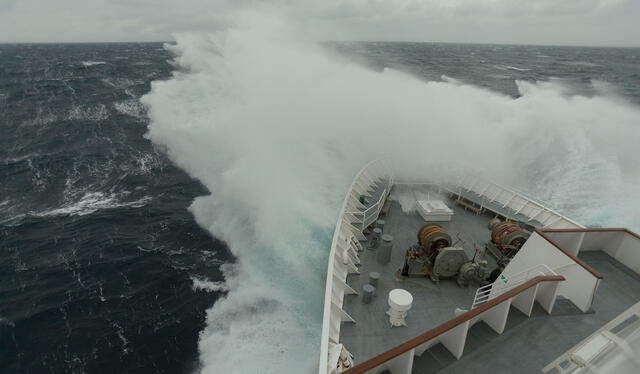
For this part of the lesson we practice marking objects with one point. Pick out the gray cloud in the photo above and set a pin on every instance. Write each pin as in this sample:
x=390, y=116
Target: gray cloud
x=573, y=22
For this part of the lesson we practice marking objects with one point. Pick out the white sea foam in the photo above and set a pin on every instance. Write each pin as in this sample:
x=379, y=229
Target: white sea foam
x=92, y=63
x=203, y=284
x=88, y=113
x=131, y=107
x=582, y=63
x=276, y=129
x=507, y=67
x=118, y=82
x=90, y=203
x=125, y=343
x=41, y=119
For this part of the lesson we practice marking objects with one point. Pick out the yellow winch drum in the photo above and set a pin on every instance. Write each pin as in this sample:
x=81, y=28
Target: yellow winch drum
x=434, y=237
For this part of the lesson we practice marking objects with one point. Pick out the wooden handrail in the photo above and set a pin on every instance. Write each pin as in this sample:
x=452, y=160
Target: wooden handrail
x=599, y=229
x=437, y=331
x=575, y=258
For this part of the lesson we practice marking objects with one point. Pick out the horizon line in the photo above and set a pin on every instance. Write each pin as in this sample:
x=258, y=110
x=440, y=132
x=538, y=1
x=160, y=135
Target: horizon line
x=338, y=41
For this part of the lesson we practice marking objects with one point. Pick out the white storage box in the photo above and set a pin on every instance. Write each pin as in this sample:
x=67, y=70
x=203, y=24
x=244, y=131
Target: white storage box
x=434, y=211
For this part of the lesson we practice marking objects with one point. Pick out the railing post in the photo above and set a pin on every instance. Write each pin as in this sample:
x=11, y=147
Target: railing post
x=402, y=364
x=496, y=317
x=524, y=302
x=455, y=339
x=546, y=295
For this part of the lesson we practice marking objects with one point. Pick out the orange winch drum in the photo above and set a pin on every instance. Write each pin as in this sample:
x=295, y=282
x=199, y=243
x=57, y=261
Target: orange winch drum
x=501, y=231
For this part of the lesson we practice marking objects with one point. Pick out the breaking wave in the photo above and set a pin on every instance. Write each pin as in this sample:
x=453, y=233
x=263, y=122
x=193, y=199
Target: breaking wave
x=277, y=128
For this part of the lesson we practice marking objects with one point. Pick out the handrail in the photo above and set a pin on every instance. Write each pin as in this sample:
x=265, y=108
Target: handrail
x=377, y=207
x=326, y=318
x=599, y=229
x=437, y=331
x=486, y=293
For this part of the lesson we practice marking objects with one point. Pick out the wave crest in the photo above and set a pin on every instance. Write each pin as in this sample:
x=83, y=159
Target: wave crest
x=277, y=128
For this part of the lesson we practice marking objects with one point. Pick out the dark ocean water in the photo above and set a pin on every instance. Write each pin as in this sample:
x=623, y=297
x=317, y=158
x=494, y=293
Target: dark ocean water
x=98, y=251
x=497, y=67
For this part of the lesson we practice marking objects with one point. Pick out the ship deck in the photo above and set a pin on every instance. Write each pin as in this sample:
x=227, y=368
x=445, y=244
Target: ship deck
x=524, y=344
x=529, y=344
x=434, y=303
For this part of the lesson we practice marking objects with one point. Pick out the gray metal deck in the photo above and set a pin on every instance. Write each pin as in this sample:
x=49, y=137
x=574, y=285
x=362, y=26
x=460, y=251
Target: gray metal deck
x=434, y=303
x=527, y=344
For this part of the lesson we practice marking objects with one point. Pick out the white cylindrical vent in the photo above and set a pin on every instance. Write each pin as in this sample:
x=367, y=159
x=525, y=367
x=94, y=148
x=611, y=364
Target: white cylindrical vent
x=400, y=301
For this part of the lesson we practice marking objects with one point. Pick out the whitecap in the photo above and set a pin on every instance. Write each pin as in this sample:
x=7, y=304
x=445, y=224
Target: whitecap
x=117, y=82
x=203, y=284
x=92, y=63
x=131, y=107
x=125, y=343
x=90, y=203
x=582, y=63
x=89, y=113
x=512, y=68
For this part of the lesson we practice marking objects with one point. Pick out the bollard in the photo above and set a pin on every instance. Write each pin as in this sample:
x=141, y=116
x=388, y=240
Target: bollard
x=384, y=253
x=374, y=277
x=374, y=242
x=367, y=293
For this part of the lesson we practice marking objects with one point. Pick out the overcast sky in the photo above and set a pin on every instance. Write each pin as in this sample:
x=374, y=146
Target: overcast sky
x=556, y=22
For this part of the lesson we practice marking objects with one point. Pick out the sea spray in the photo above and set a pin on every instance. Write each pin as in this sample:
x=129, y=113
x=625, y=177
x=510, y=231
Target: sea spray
x=276, y=128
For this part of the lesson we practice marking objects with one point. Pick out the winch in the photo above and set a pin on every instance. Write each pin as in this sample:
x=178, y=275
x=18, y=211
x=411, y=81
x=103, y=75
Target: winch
x=507, y=238
x=434, y=256
x=472, y=272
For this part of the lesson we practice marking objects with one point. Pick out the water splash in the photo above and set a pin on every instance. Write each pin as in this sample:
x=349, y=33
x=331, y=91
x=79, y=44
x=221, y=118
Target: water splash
x=276, y=129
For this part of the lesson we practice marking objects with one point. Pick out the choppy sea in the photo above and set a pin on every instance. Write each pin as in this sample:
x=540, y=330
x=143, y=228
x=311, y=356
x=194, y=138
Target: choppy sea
x=103, y=267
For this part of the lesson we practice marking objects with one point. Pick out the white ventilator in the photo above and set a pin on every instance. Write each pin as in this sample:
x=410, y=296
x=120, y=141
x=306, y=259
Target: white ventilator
x=400, y=302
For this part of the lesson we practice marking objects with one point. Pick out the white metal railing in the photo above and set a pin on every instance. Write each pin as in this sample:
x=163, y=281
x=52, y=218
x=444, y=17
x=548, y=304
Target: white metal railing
x=343, y=258
x=504, y=284
x=371, y=214
x=493, y=193
x=355, y=217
